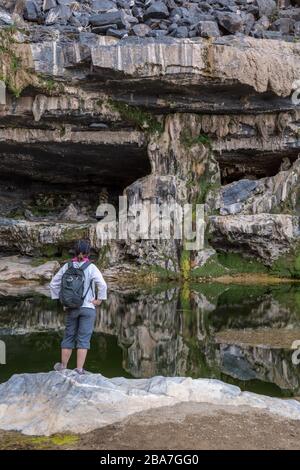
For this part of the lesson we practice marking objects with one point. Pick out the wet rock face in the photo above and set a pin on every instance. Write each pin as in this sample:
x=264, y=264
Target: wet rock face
x=157, y=18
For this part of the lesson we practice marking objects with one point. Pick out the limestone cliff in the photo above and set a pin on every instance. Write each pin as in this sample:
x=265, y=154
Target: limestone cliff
x=209, y=120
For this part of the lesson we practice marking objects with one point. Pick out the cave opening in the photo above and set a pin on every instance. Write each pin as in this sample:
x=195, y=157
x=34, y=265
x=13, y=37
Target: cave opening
x=249, y=165
x=61, y=181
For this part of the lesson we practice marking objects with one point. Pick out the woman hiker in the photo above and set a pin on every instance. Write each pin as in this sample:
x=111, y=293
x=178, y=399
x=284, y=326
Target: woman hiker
x=80, y=287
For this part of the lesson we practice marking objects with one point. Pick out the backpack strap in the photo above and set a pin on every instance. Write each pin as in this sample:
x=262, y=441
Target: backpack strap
x=84, y=296
x=83, y=268
x=85, y=265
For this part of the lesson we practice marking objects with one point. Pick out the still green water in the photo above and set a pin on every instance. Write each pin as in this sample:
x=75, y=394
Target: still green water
x=239, y=334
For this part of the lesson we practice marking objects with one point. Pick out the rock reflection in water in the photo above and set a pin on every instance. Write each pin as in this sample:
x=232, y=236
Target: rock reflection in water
x=243, y=333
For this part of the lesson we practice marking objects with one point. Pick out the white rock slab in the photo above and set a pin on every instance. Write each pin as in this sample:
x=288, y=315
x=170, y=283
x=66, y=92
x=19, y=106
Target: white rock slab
x=18, y=268
x=47, y=403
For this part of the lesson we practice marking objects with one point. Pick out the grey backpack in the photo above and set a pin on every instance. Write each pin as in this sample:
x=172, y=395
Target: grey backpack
x=72, y=286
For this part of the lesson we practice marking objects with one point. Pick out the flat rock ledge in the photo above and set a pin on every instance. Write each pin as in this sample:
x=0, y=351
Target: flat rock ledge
x=18, y=268
x=54, y=402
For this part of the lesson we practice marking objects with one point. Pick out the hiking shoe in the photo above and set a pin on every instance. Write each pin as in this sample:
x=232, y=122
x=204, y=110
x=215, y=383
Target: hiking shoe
x=58, y=367
x=80, y=371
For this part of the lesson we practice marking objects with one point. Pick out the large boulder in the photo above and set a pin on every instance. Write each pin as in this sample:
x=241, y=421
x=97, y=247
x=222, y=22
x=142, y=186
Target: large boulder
x=231, y=22
x=208, y=29
x=157, y=10
x=5, y=18
x=16, y=268
x=236, y=193
x=265, y=236
x=48, y=403
x=266, y=7
x=39, y=237
x=59, y=15
x=279, y=193
x=112, y=17
x=31, y=10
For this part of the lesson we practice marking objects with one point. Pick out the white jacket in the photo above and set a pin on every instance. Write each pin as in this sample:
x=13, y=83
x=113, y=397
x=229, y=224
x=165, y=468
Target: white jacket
x=93, y=278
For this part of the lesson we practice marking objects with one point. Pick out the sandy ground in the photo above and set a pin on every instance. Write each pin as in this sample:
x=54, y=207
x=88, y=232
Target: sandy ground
x=254, y=278
x=184, y=426
x=280, y=338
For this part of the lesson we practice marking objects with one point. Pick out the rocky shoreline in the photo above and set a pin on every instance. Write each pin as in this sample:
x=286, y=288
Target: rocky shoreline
x=71, y=403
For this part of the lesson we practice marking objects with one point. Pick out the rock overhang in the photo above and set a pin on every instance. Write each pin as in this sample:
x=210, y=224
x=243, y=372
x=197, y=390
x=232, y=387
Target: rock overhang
x=264, y=65
x=113, y=159
x=233, y=92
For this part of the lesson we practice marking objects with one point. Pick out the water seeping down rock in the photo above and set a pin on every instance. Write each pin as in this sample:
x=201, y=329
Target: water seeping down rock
x=157, y=101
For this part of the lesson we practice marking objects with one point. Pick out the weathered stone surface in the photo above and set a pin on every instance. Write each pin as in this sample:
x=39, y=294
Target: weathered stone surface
x=238, y=192
x=297, y=28
x=230, y=21
x=72, y=214
x=141, y=30
x=208, y=29
x=96, y=401
x=157, y=10
x=58, y=15
x=5, y=18
x=224, y=110
x=266, y=236
x=267, y=195
x=35, y=237
x=203, y=256
x=114, y=17
x=31, y=10
x=284, y=25
x=266, y=7
x=181, y=32
x=103, y=5
x=234, y=16
x=257, y=66
x=48, y=4
x=117, y=33
x=15, y=268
